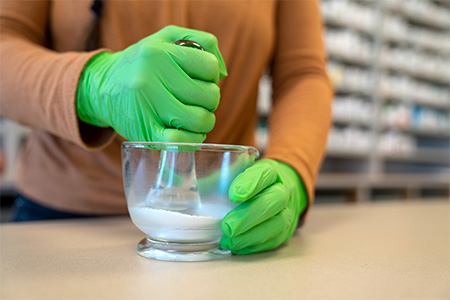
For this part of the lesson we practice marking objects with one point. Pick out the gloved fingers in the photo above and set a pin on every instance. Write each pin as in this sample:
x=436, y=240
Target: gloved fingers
x=193, y=91
x=190, y=118
x=144, y=130
x=145, y=122
x=164, y=55
x=266, y=246
x=174, y=114
x=253, y=180
x=276, y=228
x=270, y=243
x=219, y=181
x=207, y=40
x=196, y=63
x=255, y=211
x=170, y=135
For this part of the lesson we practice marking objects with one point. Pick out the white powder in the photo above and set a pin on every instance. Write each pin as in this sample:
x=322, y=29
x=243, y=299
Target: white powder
x=175, y=226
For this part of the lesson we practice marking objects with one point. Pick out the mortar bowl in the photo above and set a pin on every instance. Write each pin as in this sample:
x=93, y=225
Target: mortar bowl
x=177, y=194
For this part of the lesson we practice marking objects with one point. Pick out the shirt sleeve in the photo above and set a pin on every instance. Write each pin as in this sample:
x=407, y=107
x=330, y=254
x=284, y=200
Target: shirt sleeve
x=38, y=86
x=302, y=93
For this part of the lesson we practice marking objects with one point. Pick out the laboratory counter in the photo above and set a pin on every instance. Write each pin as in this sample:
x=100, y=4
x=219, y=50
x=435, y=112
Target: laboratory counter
x=380, y=250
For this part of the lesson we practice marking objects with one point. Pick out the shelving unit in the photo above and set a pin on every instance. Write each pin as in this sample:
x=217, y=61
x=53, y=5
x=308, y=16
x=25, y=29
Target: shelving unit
x=12, y=137
x=389, y=62
x=409, y=47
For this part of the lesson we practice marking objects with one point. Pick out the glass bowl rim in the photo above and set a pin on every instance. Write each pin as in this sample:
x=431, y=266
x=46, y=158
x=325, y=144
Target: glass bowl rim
x=202, y=146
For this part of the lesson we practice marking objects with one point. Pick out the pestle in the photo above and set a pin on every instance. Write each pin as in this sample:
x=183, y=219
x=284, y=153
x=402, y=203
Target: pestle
x=175, y=187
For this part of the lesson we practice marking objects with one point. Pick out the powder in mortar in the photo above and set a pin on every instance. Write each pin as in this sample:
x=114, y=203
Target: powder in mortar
x=175, y=226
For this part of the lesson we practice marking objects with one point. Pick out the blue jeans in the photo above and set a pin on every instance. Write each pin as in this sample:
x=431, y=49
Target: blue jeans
x=26, y=210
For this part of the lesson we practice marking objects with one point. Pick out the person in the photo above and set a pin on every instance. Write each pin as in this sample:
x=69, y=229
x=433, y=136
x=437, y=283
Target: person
x=135, y=84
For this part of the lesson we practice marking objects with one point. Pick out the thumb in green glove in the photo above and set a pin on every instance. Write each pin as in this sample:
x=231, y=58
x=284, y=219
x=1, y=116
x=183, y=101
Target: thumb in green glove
x=272, y=196
x=154, y=87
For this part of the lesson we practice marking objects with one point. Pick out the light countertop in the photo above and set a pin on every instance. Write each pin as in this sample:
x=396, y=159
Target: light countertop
x=387, y=250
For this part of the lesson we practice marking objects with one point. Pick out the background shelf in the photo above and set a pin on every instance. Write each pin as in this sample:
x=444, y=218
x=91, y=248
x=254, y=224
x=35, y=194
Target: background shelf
x=388, y=61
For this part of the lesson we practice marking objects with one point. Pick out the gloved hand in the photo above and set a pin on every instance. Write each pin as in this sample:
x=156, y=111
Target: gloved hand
x=272, y=196
x=153, y=88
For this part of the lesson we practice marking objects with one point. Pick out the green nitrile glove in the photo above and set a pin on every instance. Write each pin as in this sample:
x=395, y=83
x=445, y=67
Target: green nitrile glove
x=153, y=88
x=272, y=196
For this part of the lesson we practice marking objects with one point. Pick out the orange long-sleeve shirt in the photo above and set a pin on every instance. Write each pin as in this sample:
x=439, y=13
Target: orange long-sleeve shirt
x=78, y=169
